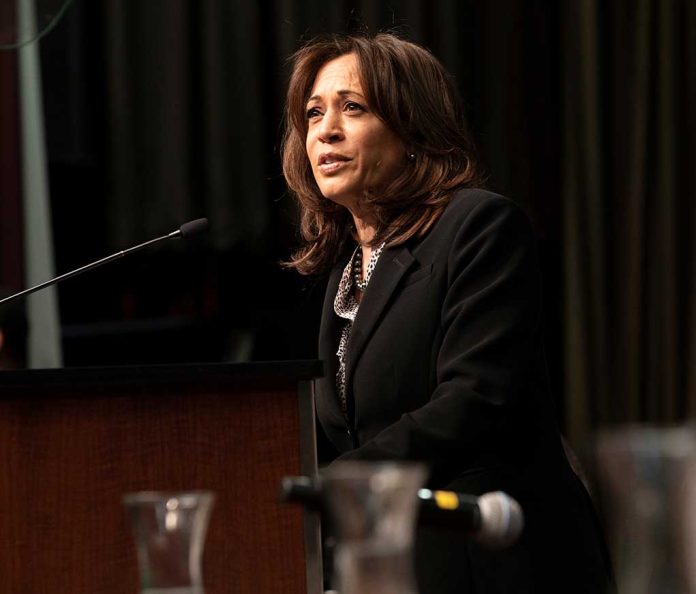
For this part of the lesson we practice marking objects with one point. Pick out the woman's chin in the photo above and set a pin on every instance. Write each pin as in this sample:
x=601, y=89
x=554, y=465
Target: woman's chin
x=346, y=199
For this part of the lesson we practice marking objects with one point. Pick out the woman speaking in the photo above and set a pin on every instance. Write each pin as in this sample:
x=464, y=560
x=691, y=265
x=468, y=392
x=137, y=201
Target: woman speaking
x=431, y=327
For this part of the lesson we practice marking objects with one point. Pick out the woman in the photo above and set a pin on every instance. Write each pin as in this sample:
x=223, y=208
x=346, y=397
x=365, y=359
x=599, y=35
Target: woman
x=431, y=329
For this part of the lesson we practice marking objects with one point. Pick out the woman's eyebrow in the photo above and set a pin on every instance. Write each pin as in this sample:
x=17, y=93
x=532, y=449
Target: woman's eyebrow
x=342, y=92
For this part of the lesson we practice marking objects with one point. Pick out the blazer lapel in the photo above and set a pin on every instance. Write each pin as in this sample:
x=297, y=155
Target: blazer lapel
x=331, y=324
x=392, y=265
x=329, y=335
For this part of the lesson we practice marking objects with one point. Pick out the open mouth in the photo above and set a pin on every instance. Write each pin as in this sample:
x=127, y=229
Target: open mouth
x=331, y=162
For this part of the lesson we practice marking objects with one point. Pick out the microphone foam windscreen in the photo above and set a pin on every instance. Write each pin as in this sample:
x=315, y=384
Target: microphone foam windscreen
x=193, y=227
x=502, y=520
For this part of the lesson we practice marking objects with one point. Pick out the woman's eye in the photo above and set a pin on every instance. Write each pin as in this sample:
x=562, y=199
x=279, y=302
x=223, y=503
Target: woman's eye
x=312, y=112
x=353, y=106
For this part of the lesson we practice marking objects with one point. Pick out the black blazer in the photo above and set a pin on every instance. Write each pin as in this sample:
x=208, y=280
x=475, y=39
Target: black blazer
x=445, y=365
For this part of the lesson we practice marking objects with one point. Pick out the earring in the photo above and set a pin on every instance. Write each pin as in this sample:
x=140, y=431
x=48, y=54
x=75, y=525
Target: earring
x=412, y=156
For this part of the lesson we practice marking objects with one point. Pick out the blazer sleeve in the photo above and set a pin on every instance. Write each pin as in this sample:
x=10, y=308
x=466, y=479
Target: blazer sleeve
x=489, y=324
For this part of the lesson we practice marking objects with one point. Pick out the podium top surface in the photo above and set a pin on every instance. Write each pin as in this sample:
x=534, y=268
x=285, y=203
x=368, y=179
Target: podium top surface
x=198, y=373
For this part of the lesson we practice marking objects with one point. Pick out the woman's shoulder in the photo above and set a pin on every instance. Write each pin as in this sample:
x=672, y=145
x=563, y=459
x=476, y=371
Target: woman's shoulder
x=476, y=207
x=483, y=227
x=469, y=200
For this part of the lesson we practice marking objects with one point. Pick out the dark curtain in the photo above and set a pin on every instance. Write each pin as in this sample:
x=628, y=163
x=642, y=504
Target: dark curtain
x=193, y=95
x=194, y=101
x=185, y=112
x=629, y=182
x=11, y=269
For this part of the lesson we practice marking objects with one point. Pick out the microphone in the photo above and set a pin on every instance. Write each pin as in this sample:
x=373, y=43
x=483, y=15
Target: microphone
x=186, y=231
x=494, y=520
x=189, y=229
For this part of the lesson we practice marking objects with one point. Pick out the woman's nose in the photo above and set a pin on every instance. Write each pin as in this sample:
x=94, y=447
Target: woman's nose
x=330, y=129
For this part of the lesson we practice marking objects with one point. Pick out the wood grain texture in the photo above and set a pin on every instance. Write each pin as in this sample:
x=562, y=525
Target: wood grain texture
x=67, y=457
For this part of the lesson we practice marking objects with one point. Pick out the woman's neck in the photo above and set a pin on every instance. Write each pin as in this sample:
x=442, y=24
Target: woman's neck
x=364, y=229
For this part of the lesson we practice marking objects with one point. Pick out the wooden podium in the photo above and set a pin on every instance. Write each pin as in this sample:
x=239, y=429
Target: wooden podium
x=74, y=441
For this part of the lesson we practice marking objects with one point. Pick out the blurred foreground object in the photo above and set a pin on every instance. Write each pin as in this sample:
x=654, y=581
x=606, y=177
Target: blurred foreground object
x=169, y=530
x=372, y=511
x=647, y=477
x=495, y=520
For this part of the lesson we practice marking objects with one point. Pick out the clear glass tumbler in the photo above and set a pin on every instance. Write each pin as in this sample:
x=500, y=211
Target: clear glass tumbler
x=647, y=477
x=169, y=530
x=373, y=512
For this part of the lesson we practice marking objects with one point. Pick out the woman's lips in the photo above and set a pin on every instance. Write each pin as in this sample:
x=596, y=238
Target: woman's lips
x=333, y=166
x=330, y=163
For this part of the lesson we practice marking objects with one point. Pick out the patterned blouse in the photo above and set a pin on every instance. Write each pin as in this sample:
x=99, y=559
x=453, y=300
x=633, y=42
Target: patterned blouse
x=346, y=307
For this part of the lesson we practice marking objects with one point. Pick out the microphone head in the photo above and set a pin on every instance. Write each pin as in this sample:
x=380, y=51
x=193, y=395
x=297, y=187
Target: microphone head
x=301, y=489
x=502, y=520
x=193, y=228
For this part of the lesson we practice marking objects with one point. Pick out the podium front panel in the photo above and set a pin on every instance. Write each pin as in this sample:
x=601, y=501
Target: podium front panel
x=73, y=442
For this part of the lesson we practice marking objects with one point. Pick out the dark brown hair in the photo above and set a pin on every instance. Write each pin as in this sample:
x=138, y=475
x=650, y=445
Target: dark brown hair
x=410, y=91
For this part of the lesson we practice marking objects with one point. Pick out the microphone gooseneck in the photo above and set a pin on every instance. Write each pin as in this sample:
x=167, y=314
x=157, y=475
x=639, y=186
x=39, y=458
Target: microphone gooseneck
x=186, y=231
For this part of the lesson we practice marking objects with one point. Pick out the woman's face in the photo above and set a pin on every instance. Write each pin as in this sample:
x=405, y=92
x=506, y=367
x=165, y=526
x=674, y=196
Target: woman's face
x=349, y=147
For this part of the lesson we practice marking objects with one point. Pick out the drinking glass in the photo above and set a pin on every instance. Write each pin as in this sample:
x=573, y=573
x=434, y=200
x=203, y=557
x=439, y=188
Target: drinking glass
x=373, y=512
x=647, y=477
x=169, y=530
